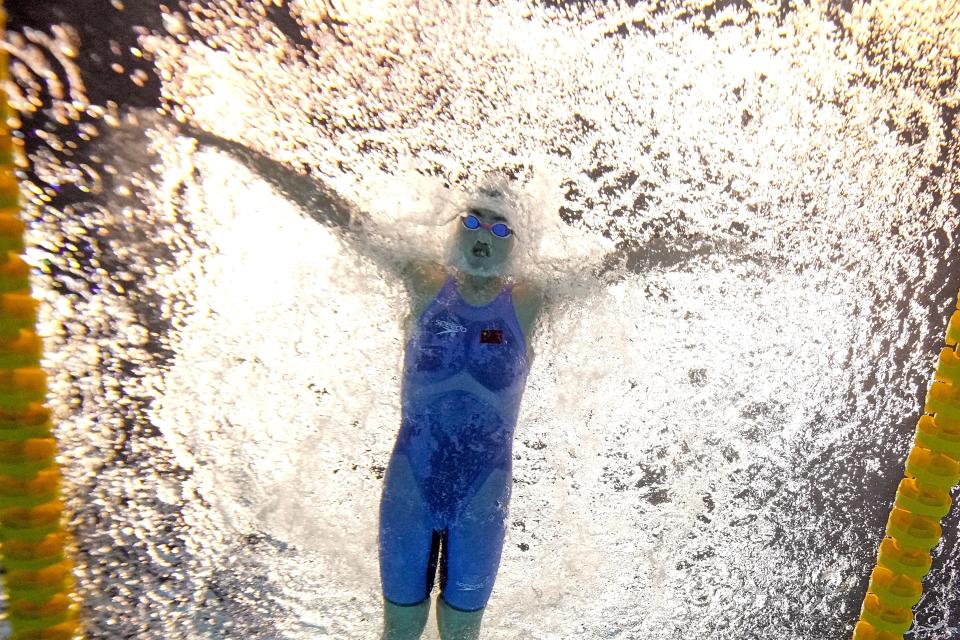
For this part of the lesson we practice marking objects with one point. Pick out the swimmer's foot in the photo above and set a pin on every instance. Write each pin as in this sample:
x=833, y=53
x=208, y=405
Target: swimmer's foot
x=457, y=625
x=404, y=622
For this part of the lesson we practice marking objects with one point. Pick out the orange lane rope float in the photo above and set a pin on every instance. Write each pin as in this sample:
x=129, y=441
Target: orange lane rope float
x=923, y=499
x=38, y=577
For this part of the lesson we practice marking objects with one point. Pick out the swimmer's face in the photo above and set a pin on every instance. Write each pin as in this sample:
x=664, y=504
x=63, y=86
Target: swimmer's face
x=481, y=250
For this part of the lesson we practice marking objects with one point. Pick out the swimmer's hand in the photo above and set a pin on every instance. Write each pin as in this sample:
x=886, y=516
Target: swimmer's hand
x=312, y=196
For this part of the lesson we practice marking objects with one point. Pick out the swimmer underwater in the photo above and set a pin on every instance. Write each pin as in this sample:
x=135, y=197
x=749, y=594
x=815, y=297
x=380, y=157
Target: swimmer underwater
x=447, y=484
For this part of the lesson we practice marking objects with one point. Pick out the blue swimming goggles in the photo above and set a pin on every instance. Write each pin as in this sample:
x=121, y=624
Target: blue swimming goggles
x=498, y=229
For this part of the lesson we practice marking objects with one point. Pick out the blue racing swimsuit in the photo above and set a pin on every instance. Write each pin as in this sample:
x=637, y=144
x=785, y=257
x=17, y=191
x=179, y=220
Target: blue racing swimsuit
x=449, y=477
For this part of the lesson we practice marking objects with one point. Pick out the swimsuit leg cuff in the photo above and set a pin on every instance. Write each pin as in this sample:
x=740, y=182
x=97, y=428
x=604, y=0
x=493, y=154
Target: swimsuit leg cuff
x=413, y=604
x=461, y=609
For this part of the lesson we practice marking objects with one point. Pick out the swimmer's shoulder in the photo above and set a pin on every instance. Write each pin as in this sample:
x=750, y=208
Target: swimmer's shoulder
x=528, y=300
x=424, y=280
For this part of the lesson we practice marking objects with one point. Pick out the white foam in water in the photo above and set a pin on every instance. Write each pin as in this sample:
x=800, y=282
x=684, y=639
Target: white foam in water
x=744, y=224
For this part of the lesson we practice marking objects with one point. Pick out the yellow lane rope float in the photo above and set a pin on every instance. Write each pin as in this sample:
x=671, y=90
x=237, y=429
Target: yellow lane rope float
x=923, y=499
x=38, y=578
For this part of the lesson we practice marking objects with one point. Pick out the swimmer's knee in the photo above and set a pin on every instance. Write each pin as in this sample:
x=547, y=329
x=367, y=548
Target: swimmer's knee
x=457, y=624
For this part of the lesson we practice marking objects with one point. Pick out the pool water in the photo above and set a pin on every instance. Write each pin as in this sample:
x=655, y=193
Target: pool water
x=744, y=216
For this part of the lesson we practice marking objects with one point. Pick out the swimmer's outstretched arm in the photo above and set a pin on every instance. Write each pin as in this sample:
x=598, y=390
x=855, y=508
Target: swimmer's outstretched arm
x=315, y=198
x=312, y=196
x=575, y=285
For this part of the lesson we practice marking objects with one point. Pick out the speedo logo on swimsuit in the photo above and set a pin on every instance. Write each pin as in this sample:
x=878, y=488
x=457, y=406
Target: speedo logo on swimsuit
x=450, y=328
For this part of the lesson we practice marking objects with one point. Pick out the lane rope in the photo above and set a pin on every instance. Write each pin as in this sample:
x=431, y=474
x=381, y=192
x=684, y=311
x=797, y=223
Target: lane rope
x=38, y=573
x=923, y=500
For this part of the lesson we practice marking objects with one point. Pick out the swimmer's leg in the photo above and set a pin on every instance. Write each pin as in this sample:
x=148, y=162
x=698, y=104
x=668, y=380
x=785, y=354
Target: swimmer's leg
x=404, y=623
x=457, y=625
x=408, y=553
x=474, y=542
